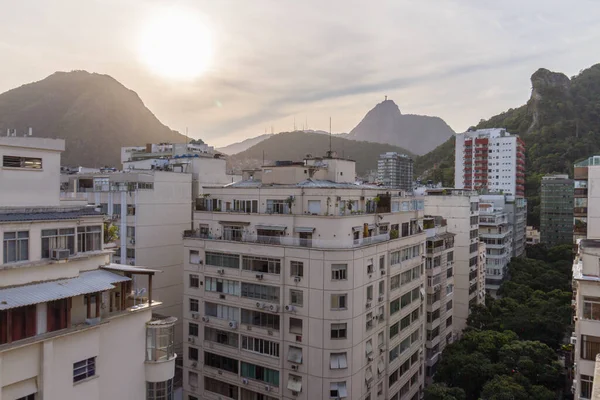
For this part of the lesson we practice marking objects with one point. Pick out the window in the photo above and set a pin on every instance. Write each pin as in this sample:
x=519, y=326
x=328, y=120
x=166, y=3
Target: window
x=369, y=321
x=296, y=326
x=260, y=292
x=314, y=206
x=194, y=281
x=221, y=311
x=16, y=246
x=264, y=374
x=395, y=282
x=394, y=330
x=219, y=387
x=193, y=329
x=194, y=257
x=219, y=285
x=233, y=233
x=591, y=308
x=369, y=292
x=222, y=337
x=21, y=162
x=89, y=238
x=247, y=206
x=338, y=301
x=193, y=353
x=260, y=346
x=159, y=390
x=449, y=305
x=294, y=383
x=193, y=379
x=160, y=342
x=222, y=260
x=338, y=361
x=84, y=369
x=296, y=268
x=260, y=319
x=449, y=321
x=381, y=288
x=29, y=397
x=220, y=362
x=296, y=297
x=23, y=323
x=587, y=383
x=339, y=272
x=338, y=390
x=339, y=331
x=369, y=347
x=261, y=264
x=194, y=305
x=295, y=354
x=57, y=239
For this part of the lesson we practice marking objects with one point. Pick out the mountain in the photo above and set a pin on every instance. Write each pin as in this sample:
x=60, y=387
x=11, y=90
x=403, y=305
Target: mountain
x=238, y=147
x=560, y=125
x=294, y=146
x=95, y=114
x=385, y=123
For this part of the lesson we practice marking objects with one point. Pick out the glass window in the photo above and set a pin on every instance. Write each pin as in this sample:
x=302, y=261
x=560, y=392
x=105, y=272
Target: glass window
x=297, y=297
x=221, y=337
x=260, y=292
x=222, y=260
x=296, y=326
x=194, y=305
x=16, y=246
x=338, y=361
x=263, y=374
x=261, y=346
x=339, y=331
x=159, y=342
x=591, y=308
x=193, y=329
x=58, y=239
x=89, y=238
x=194, y=281
x=219, y=285
x=261, y=264
x=21, y=162
x=193, y=353
x=219, y=387
x=296, y=268
x=338, y=301
x=221, y=362
x=261, y=319
x=339, y=272
x=587, y=382
x=84, y=369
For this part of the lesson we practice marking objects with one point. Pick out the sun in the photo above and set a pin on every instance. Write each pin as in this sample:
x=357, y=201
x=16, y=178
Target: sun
x=176, y=44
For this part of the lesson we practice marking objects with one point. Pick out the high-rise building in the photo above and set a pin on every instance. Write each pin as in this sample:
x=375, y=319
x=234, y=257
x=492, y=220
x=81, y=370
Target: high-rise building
x=395, y=171
x=582, y=200
x=301, y=284
x=556, y=210
x=460, y=208
x=490, y=160
x=439, y=268
x=72, y=324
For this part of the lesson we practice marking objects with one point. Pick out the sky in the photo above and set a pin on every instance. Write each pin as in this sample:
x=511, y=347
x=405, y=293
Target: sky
x=228, y=70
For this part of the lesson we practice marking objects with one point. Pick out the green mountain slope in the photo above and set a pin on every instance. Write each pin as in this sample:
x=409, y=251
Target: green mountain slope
x=560, y=125
x=95, y=114
x=294, y=146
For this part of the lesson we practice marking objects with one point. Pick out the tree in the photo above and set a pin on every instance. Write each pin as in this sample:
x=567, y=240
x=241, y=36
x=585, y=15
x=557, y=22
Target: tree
x=504, y=388
x=439, y=391
x=111, y=232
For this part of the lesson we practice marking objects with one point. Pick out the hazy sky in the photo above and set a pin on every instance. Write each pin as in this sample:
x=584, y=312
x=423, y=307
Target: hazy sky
x=276, y=59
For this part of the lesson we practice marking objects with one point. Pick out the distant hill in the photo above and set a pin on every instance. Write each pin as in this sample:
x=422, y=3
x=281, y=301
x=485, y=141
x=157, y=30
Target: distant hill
x=94, y=113
x=238, y=147
x=385, y=123
x=560, y=125
x=294, y=146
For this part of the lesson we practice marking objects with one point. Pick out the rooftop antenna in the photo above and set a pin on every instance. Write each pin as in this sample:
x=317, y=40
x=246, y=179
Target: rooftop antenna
x=306, y=121
x=329, y=136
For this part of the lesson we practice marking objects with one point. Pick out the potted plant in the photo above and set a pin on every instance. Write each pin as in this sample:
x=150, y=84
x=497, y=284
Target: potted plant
x=290, y=201
x=394, y=234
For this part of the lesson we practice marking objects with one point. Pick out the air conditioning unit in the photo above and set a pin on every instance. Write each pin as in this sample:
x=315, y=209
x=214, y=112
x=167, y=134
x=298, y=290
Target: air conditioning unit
x=274, y=308
x=297, y=279
x=369, y=269
x=573, y=340
x=381, y=349
x=368, y=305
x=60, y=254
x=221, y=271
x=294, y=393
x=191, y=340
x=233, y=324
x=205, y=319
x=267, y=388
x=259, y=276
x=132, y=241
x=370, y=357
x=194, y=364
x=381, y=298
x=294, y=367
x=244, y=381
x=260, y=305
x=383, y=272
x=195, y=315
x=290, y=308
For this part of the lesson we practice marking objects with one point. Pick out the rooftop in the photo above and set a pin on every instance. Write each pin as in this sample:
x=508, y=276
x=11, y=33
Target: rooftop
x=593, y=160
x=308, y=183
x=33, y=143
x=46, y=213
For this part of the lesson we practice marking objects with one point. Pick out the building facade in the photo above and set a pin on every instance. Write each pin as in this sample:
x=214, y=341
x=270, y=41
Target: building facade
x=556, y=210
x=72, y=324
x=460, y=208
x=490, y=160
x=583, y=200
x=300, y=284
x=532, y=236
x=439, y=268
x=395, y=171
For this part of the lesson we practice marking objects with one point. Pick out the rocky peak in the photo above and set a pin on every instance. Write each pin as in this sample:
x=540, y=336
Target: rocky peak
x=545, y=84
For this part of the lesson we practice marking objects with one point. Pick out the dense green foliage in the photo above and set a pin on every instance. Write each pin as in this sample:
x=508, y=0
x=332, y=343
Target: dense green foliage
x=437, y=165
x=560, y=126
x=509, y=350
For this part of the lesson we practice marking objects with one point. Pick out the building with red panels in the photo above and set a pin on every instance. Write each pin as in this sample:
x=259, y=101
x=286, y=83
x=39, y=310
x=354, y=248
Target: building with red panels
x=491, y=160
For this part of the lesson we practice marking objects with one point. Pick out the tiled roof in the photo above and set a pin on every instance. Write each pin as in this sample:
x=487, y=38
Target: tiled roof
x=46, y=215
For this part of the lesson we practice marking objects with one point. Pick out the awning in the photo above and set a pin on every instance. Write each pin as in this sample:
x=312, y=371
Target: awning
x=294, y=385
x=87, y=282
x=368, y=375
x=357, y=228
x=129, y=268
x=20, y=389
x=239, y=223
x=340, y=387
x=295, y=355
x=302, y=229
x=369, y=347
x=380, y=367
x=278, y=228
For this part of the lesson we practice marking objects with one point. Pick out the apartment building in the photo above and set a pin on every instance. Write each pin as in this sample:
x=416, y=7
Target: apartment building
x=490, y=160
x=556, y=210
x=582, y=200
x=460, y=208
x=532, y=236
x=439, y=267
x=395, y=171
x=72, y=324
x=302, y=284
x=497, y=234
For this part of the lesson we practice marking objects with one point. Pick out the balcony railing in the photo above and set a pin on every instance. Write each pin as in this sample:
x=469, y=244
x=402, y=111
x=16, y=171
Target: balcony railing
x=293, y=241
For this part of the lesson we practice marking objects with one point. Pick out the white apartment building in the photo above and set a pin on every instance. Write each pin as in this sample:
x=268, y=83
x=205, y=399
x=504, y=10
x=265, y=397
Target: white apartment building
x=491, y=160
x=71, y=324
x=439, y=267
x=497, y=234
x=301, y=284
x=460, y=208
